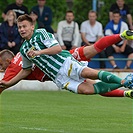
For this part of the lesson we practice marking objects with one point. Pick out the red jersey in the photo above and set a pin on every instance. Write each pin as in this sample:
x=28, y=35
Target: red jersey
x=36, y=74
x=15, y=67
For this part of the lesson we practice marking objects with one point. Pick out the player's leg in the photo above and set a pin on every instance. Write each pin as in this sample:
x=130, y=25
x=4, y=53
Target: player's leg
x=78, y=53
x=109, y=40
x=85, y=53
x=107, y=77
x=119, y=93
x=114, y=93
x=106, y=89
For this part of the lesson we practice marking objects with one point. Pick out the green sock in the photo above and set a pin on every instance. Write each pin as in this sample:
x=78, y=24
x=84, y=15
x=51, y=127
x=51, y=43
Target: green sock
x=109, y=77
x=102, y=87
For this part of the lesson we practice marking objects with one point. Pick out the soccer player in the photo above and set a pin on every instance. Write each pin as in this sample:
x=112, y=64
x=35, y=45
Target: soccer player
x=13, y=64
x=43, y=50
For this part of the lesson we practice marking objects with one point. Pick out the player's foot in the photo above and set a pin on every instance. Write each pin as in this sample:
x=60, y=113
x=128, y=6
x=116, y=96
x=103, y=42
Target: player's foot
x=129, y=93
x=128, y=81
x=127, y=34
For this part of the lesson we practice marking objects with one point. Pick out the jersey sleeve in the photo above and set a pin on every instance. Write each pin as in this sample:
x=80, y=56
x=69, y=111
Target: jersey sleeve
x=47, y=39
x=11, y=72
x=50, y=42
x=26, y=64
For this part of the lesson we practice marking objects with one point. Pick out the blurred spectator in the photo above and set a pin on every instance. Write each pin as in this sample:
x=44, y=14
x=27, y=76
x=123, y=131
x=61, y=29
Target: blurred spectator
x=34, y=16
x=68, y=32
x=44, y=15
x=10, y=38
x=117, y=26
x=91, y=31
x=124, y=11
x=17, y=7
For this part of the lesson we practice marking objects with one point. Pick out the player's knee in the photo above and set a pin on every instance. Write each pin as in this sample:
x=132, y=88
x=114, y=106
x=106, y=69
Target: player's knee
x=86, y=91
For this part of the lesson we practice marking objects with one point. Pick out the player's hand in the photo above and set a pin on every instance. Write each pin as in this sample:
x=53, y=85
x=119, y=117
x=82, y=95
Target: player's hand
x=32, y=53
x=4, y=84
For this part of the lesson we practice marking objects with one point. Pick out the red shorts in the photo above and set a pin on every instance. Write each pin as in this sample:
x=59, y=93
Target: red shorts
x=78, y=54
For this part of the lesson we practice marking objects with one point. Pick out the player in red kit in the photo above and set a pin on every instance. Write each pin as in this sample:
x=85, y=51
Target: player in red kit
x=81, y=54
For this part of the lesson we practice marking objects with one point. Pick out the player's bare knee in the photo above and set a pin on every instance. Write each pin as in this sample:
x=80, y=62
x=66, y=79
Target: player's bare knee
x=86, y=91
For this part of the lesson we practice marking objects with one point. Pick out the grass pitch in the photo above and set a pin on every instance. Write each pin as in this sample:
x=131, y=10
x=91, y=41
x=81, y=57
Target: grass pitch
x=63, y=112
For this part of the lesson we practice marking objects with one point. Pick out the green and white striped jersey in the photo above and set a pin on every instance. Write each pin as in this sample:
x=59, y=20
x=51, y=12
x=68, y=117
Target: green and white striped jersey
x=49, y=64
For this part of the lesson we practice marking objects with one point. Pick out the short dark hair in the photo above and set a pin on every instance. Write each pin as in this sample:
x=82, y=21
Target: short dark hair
x=116, y=12
x=69, y=11
x=25, y=17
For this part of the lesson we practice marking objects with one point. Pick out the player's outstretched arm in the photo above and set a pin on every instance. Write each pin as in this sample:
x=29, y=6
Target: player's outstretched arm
x=21, y=75
x=49, y=51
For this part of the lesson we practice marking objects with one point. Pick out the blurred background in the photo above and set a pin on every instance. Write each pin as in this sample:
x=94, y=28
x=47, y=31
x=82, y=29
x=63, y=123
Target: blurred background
x=80, y=8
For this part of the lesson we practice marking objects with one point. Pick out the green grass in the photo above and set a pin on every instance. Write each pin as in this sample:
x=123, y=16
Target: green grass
x=63, y=112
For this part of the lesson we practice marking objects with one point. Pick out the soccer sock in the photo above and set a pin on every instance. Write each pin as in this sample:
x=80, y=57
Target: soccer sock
x=106, y=41
x=109, y=77
x=114, y=93
x=102, y=87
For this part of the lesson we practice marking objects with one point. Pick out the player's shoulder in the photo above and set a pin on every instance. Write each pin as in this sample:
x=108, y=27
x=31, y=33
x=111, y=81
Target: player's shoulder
x=40, y=31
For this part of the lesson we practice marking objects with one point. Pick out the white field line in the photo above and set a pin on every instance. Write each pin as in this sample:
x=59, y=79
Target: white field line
x=41, y=129
x=34, y=128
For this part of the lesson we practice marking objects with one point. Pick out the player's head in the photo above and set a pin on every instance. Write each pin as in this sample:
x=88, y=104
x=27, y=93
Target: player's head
x=5, y=58
x=25, y=26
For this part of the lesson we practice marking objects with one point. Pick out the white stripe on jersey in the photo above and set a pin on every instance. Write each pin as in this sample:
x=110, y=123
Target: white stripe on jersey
x=44, y=33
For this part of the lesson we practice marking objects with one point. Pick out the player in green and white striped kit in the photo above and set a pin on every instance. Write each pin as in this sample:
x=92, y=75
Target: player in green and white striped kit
x=43, y=50
x=50, y=65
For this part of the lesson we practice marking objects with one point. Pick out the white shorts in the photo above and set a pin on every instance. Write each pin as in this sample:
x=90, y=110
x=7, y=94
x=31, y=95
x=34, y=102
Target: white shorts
x=69, y=75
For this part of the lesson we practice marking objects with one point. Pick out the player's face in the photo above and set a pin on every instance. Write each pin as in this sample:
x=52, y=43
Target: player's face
x=69, y=17
x=25, y=29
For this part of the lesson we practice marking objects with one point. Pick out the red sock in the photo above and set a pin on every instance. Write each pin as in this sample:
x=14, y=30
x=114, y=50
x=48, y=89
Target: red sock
x=106, y=41
x=114, y=93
